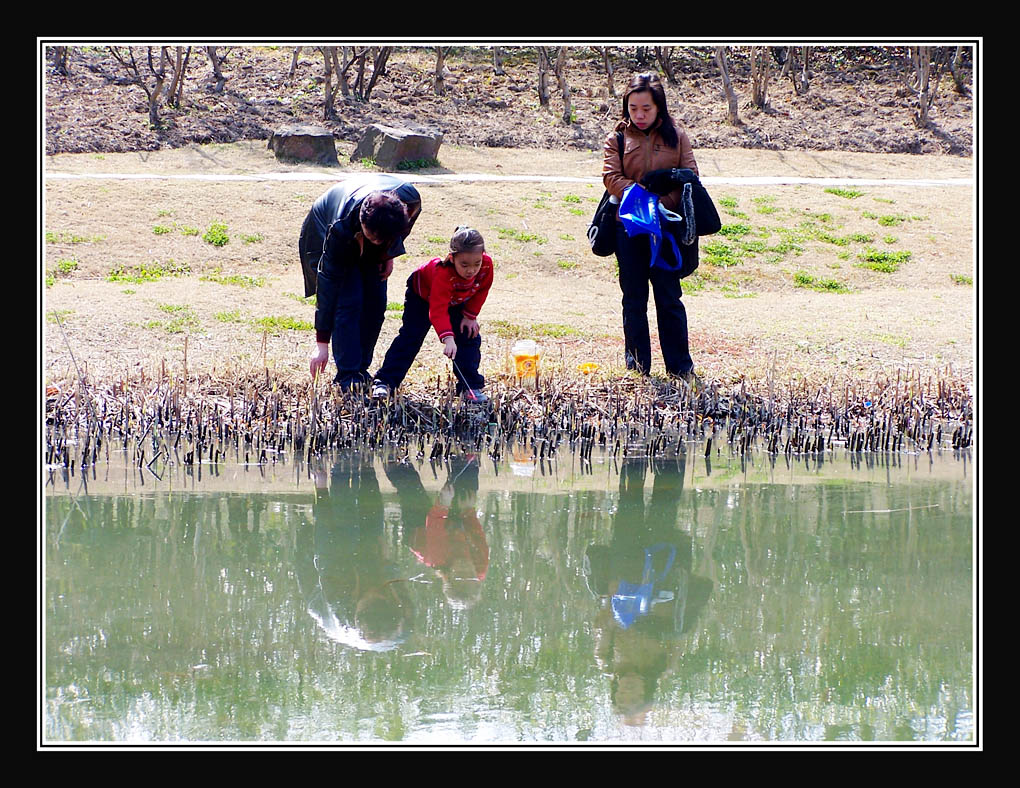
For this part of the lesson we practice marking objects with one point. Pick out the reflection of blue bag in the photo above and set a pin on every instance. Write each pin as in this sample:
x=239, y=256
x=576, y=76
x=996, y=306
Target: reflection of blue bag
x=633, y=600
x=642, y=213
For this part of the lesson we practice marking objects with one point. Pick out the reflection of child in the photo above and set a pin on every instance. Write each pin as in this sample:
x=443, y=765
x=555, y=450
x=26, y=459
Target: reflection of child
x=452, y=540
x=445, y=294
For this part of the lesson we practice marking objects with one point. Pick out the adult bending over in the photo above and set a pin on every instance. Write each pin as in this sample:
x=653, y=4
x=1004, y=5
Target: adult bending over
x=347, y=245
x=652, y=147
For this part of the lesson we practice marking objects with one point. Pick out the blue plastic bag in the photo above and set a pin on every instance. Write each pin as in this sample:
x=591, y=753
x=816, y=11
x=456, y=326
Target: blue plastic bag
x=642, y=213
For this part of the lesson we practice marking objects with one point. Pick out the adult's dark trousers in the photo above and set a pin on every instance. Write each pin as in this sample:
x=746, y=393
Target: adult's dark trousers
x=413, y=330
x=360, y=309
x=636, y=275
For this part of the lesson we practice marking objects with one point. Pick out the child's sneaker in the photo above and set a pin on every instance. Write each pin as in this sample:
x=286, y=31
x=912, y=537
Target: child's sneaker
x=380, y=390
x=476, y=396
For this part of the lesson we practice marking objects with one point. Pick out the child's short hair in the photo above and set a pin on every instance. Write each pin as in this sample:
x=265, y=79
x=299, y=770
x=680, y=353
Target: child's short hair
x=384, y=214
x=467, y=239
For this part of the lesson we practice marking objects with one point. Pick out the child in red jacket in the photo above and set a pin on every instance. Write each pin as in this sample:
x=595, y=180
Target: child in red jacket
x=445, y=294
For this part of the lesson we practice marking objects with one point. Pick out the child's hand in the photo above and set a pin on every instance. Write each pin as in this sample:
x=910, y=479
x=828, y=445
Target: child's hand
x=449, y=348
x=469, y=326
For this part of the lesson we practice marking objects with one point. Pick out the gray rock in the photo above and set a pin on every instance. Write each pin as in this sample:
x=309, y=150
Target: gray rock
x=304, y=143
x=389, y=146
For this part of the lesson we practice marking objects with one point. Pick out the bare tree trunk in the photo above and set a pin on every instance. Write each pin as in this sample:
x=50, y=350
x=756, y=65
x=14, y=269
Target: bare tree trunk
x=341, y=71
x=497, y=61
x=956, y=70
x=440, y=83
x=543, y=70
x=293, y=64
x=175, y=94
x=663, y=55
x=216, y=61
x=800, y=84
x=379, y=57
x=760, y=69
x=328, y=60
x=731, y=97
x=929, y=64
x=60, y=60
x=607, y=62
x=560, y=69
x=130, y=64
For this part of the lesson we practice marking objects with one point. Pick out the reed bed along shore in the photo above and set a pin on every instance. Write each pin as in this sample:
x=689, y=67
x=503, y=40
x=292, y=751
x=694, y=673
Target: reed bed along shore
x=262, y=417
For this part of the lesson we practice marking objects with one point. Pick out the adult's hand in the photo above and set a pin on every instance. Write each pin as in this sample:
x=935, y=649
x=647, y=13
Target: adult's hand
x=469, y=325
x=317, y=363
x=386, y=268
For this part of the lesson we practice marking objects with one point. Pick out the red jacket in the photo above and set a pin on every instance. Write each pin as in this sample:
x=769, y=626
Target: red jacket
x=442, y=287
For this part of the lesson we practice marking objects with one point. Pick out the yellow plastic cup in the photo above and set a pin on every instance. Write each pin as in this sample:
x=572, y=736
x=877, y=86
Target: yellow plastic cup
x=525, y=353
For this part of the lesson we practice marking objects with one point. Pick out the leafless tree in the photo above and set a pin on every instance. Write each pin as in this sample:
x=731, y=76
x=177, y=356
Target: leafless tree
x=956, y=69
x=216, y=61
x=664, y=56
x=800, y=80
x=543, y=73
x=722, y=60
x=156, y=71
x=440, y=83
x=761, y=60
x=60, y=55
x=497, y=61
x=927, y=66
x=560, y=69
x=179, y=63
x=608, y=64
x=293, y=64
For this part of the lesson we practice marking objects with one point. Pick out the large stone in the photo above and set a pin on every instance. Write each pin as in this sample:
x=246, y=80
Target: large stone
x=304, y=143
x=389, y=146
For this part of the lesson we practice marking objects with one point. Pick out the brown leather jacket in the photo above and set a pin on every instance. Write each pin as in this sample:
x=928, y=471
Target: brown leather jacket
x=643, y=153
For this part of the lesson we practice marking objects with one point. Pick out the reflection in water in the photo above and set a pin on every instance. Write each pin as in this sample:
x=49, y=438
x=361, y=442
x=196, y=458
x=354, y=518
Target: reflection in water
x=643, y=579
x=443, y=603
x=445, y=535
x=352, y=586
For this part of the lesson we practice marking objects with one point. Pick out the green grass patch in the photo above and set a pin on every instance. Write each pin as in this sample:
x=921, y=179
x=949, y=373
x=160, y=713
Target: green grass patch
x=518, y=235
x=885, y=262
x=253, y=239
x=278, y=324
x=71, y=238
x=241, y=280
x=848, y=194
x=162, y=229
x=147, y=272
x=67, y=266
x=961, y=279
x=734, y=230
x=216, y=234
x=566, y=264
x=229, y=317
x=728, y=202
x=507, y=330
x=720, y=253
x=185, y=230
x=571, y=198
x=417, y=164
x=182, y=319
x=806, y=280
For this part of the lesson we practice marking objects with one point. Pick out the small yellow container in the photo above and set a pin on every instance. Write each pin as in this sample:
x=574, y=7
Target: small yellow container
x=525, y=353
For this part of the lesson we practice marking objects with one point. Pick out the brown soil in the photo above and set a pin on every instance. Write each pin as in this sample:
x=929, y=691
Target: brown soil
x=748, y=321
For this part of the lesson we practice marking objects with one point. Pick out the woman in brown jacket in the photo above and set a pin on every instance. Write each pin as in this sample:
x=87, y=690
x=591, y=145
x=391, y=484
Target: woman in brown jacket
x=652, y=146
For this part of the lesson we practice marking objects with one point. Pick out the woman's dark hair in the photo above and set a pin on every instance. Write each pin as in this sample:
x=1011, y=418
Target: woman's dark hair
x=651, y=82
x=384, y=214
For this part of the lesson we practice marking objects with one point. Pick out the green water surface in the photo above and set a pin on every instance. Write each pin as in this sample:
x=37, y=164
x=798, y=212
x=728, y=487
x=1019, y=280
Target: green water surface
x=361, y=600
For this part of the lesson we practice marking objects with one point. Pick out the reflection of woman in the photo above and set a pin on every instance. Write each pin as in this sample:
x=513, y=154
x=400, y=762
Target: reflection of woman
x=346, y=576
x=652, y=147
x=649, y=598
x=445, y=535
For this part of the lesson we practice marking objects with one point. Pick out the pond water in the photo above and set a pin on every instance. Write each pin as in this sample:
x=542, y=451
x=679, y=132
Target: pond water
x=363, y=600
